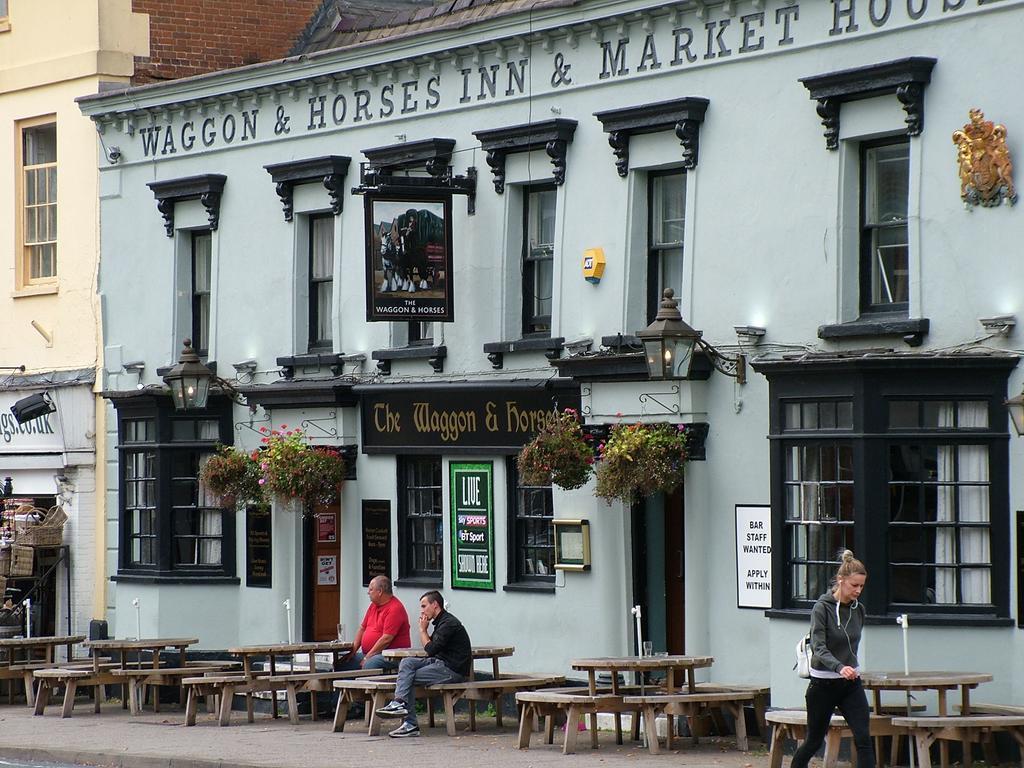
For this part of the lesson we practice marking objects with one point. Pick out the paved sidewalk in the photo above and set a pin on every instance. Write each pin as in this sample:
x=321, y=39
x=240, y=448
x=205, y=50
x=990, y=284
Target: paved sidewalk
x=151, y=740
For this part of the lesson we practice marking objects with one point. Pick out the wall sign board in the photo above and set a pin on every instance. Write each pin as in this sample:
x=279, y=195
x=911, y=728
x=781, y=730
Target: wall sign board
x=326, y=570
x=572, y=545
x=472, y=503
x=753, y=556
x=409, y=258
x=258, y=546
x=326, y=527
x=376, y=539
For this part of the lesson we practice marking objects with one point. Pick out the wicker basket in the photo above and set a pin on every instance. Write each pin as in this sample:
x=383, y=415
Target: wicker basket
x=5, y=561
x=49, y=532
x=22, y=558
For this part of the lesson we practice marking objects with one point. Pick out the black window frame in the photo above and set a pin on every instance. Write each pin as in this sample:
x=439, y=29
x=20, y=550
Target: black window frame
x=866, y=258
x=408, y=573
x=315, y=343
x=535, y=326
x=656, y=251
x=200, y=334
x=871, y=385
x=165, y=448
x=518, y=576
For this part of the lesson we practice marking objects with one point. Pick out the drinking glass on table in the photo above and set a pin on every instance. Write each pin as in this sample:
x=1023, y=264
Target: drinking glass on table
x=648, y=648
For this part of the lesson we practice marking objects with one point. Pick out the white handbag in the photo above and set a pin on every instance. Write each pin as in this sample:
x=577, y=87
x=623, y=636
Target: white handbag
x=803, y=656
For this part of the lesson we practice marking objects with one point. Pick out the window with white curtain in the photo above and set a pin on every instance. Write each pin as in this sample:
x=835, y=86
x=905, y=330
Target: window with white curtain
x=321, y=281
x=906, y=463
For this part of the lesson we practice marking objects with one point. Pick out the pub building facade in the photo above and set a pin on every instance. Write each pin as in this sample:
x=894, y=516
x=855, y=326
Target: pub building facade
x=415, y=242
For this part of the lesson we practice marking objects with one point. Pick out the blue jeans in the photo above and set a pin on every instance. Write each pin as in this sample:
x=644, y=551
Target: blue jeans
x=823, y=698
x=386, y=666
x=423, y=670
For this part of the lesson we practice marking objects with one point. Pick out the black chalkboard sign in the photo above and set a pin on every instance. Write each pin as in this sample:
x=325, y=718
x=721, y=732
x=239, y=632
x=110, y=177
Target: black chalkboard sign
x=376, y=539
x=257, y=546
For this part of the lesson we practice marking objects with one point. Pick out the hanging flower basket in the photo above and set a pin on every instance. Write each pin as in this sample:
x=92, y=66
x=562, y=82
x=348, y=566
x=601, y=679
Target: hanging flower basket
x=558, y=454
x=640, y=459
x=233, y=475
x=293, y=469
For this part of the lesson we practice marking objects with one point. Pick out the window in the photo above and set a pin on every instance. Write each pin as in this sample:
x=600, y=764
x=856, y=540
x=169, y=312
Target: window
x=5, y=22
x=420, y=333
x=37, y=200
x=170, y=524
x=538, y=258
x=420, y=515
x=666, y=202
x=202, y=256
x=321, y=281
x=531, y=535
x=885, y=180
x=908, y=467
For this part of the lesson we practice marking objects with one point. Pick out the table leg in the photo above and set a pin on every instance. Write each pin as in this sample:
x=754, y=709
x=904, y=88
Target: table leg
x=247, y=668
x=273, y=694
x=340, y=712
x=69, y=698
x=226, y=698
x=691, y=679
x=497, y=698
x=572, y=721
x=191, y=705
x=592, y=683
x=525, y=727
x=617, y=716
x=651, y=729
x=133, y=696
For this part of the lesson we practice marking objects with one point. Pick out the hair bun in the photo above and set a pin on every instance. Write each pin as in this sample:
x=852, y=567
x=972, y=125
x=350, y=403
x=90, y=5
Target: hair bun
x=847, y=556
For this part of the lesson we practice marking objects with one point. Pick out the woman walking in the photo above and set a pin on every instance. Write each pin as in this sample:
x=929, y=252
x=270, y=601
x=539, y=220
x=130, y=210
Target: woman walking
x=836, y=623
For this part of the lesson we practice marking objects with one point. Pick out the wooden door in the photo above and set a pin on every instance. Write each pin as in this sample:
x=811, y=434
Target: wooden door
x=675, y=595
x=325, y=564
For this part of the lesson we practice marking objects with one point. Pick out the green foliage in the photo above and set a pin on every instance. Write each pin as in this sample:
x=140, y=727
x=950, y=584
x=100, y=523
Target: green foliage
x=233, y=475
x=293, y=469
x=640, y=459
x=558, y=454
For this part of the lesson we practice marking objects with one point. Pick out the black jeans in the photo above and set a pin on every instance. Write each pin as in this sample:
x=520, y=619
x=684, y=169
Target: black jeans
x=823, y=698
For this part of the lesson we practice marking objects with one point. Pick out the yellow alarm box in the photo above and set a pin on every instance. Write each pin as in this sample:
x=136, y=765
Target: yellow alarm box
x=593, y=264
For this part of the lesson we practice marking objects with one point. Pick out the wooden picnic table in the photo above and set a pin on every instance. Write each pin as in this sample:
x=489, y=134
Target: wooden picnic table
x=128, y=645
x=273, y=650
x=671, y=666
x=941, y=682
x=18, y=651
x=492, y=652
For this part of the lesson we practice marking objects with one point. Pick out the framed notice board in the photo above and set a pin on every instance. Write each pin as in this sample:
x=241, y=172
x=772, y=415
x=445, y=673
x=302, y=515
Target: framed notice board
x=258, y=546
x=472, y=502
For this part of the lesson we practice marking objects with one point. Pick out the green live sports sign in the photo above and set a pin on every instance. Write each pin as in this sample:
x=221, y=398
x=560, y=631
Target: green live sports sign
x=472, y=503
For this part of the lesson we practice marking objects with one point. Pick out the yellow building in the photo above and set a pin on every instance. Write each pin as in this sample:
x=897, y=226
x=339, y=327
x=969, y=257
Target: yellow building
x=52, y=51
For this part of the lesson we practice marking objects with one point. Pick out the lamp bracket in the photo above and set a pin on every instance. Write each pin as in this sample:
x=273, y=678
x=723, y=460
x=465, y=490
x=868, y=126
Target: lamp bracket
x=730, y=365
x=331, y=417
x=251, y=424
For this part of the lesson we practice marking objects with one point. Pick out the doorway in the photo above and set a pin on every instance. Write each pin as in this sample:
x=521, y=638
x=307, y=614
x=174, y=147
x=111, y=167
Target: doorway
x=322, y=567
x=658, y=568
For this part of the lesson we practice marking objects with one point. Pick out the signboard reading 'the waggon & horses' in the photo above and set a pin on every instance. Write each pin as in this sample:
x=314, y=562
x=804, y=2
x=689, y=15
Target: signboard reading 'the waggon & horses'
x=458, y=418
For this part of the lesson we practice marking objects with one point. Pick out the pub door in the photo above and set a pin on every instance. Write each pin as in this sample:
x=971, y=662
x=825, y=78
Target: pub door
x=657, y=528
x=321, y=533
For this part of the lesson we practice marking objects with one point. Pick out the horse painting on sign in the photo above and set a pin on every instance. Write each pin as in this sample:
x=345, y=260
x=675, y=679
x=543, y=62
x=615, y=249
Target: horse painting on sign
x=409, y=259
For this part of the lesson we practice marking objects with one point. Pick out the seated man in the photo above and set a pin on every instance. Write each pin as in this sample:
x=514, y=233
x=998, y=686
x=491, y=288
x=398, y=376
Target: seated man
x=448, y=660
x=385, y=625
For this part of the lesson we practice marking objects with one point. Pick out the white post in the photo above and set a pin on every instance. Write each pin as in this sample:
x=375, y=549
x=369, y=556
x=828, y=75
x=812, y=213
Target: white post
x=904, y=621
x=288, y=617
x=27, y=603
x=137, y=605
x=636, y=611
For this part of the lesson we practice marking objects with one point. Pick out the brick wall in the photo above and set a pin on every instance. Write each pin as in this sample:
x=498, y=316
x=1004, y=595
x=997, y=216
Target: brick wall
x=189, y=37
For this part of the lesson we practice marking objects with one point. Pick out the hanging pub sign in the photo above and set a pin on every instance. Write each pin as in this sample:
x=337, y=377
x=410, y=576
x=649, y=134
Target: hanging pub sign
x=472, y=526
x=409, y=258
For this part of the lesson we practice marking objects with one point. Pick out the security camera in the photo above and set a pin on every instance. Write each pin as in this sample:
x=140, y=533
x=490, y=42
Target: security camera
x=114, y=155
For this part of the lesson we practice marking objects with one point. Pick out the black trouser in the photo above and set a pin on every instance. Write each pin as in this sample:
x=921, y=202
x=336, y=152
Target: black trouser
x=823, y=698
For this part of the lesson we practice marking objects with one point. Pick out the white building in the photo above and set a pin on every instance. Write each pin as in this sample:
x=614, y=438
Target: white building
x=686, y=140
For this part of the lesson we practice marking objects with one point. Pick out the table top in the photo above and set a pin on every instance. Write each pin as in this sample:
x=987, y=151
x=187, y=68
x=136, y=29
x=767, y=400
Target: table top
x=36, y=642
x=479, y=652
x=280, y=649
x=142, y=644
x=922, y=680
x=640, y=663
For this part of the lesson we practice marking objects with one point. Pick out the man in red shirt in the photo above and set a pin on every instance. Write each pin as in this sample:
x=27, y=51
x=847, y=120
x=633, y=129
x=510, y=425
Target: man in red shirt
x=385, y=625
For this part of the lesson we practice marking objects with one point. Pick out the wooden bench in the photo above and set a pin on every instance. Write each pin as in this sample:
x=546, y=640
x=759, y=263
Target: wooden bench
x=72, y=680
x=691, y=705
x=792, y=724
x=226, y=686
x=575, y=703
x=24, y=670
x=967, y=729
x=140, y=679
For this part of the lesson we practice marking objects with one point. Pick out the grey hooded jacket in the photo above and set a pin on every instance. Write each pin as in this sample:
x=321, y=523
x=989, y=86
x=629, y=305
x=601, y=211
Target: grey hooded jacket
x=835, y=634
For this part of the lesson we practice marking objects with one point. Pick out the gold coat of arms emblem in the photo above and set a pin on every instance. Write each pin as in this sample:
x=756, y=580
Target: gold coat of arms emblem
x=986, y=172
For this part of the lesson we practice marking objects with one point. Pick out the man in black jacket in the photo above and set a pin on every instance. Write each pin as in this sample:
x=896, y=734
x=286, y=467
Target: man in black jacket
x=448, y=660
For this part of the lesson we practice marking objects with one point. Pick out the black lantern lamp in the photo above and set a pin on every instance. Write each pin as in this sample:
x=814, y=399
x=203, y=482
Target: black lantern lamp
x=669, y=343
x=1015, y=405
x=189, y=380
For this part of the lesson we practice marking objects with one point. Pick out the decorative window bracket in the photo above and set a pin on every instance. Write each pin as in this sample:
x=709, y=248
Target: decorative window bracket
x=329, y=170
x=682, y=116
x=553, y=136
x=379, y=174
x=904, y=77
x=207, y=189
